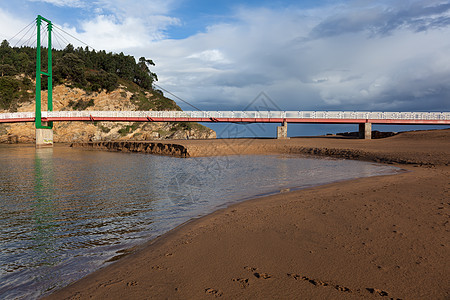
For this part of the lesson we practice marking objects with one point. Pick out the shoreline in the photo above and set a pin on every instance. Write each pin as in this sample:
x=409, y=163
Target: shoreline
x=329, y=146
x=376, y=236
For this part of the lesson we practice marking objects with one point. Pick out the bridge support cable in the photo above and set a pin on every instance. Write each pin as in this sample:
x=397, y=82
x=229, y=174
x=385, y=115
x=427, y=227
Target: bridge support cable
x=29, y=26
x=32, y=35
x=70, y=35
x=173, y=95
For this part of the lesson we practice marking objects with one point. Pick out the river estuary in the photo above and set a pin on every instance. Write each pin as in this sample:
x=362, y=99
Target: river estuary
x=67, y=212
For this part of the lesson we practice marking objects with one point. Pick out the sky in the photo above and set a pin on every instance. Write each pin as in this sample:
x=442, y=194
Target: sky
x=388, y=55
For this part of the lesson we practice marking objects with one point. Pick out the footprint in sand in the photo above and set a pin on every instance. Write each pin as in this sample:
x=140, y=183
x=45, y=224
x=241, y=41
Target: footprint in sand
x=257, y=274
x=251, y=269
x=132, y=283
x=157, y=267
x=243, y=282
x=342, y=288
x=214, y=292
x=317, y=282
x=377, y=292
x=261, y=275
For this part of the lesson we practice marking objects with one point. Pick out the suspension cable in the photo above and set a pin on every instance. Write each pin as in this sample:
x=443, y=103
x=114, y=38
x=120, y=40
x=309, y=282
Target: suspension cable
x=74, y=37
x=33, y=34
x=57, y=39
x=172, y=94
x=21, y=31
x=59, y=35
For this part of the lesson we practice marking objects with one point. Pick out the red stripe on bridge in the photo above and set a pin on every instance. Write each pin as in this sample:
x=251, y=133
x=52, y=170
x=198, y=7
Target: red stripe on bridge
x=233, y=120
x=251, y=120
x=18, y=120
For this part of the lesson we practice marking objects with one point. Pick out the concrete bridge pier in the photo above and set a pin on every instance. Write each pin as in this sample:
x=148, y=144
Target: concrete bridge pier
x=282, y=131
x=365, y=131
x=44, y=137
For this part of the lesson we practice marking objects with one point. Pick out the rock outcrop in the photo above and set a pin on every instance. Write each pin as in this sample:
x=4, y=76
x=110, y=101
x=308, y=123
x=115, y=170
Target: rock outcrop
x=66, y=98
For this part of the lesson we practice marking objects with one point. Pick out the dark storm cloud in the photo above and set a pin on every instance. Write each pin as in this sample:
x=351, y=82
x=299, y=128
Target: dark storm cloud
x=381, y=20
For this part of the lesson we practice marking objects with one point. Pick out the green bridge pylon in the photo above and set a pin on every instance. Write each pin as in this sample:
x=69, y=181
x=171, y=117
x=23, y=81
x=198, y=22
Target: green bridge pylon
x=39, y=73
x=44, y=132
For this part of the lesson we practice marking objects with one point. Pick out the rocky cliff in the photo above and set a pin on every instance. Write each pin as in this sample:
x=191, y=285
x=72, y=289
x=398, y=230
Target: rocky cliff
x=124, y=98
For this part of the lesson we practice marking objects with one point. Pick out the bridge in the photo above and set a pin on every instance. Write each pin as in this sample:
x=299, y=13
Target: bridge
x=44, y=119
x=364, y=119
x=325, y=117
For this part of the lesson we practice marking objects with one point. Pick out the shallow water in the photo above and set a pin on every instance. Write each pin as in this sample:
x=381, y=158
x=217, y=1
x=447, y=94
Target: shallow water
x=65, y=212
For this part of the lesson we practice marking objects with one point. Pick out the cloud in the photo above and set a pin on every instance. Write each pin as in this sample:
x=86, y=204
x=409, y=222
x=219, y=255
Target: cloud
x=109, y=33
x=61, y=3
x=9, y=25
x=117, y=7
x=117, y=25
x=144, y=9
x=122, y=25
x=382, y=19
x=212, y=55
x=378, y=57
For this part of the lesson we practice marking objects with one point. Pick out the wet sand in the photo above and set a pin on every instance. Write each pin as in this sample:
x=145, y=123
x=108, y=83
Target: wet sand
x=385, y=236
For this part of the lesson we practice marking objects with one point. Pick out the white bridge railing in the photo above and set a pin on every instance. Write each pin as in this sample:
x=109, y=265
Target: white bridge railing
x=18, y=115
x=343, y=115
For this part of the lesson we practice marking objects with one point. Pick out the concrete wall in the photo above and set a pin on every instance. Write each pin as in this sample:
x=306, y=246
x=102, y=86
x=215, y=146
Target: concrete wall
x=365, y=131
x=44, y=137
x=282, y=131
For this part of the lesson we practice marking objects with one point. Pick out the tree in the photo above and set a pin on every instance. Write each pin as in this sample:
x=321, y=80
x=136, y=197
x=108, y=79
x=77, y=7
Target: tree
x=143, y=65
x=23, y=62
x=70, y=66
x=102, y=80
x=5, y=52
x=7, y=70
x=9, y=89
x=143, y=62
x=69, y=49
x=84, y=68
x=5, y=44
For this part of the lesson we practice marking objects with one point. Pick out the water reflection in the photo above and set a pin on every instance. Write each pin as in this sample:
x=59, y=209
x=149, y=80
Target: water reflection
x=65, y=212
x=44, y=215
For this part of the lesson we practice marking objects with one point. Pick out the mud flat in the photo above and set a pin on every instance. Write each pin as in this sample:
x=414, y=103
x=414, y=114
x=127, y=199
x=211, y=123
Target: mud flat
x=170, y=149
x=405, y=148
x=385, y=236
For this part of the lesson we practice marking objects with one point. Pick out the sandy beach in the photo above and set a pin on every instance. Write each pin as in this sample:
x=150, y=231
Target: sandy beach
x=385, y=236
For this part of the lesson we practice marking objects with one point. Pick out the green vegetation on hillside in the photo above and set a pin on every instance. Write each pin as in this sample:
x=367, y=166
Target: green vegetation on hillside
x=81, y=68
x=14, y=90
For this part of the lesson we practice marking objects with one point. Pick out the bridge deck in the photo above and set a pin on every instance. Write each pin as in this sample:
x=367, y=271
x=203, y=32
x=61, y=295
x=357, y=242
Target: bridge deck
x=331, y=117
